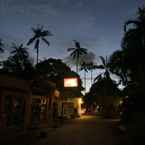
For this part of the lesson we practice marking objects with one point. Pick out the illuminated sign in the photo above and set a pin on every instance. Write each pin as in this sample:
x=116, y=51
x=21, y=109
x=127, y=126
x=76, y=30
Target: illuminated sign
x=70, y=82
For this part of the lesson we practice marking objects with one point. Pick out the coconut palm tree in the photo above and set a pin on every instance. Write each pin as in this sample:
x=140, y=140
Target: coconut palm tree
x=104, y=66
x=19, y=60
x=91, y=67
x=39, y=34
x=118, y=65
x=84, y=67
x=76, y=53
x=19, y=50
x=88, y=66
x=133, y=45
x=139, y=24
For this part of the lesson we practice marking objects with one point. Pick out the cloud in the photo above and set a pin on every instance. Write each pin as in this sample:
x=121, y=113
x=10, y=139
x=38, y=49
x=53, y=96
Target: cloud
x=89, y=57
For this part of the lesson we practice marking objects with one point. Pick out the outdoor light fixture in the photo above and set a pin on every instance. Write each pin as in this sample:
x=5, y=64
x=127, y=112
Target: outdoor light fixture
x=80, y=100
x=70, y=82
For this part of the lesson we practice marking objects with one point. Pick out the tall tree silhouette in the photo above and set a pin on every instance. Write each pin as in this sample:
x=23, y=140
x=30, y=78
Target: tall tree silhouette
x=139, y=24
x=133, y=56
x=118, y=65
x=76, y=53
x=133, y=46
x=91, y=67
x=104, y=66
x=39, y=34
x=84, y=67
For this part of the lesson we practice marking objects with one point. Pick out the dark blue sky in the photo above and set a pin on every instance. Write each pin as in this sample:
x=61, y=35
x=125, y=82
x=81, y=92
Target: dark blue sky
x=97, y=24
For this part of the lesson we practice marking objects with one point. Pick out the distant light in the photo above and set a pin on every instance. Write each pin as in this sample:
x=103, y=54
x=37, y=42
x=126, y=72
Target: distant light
x=56, y=93
x=70, y=82
x=80, y=101
x=80, y=109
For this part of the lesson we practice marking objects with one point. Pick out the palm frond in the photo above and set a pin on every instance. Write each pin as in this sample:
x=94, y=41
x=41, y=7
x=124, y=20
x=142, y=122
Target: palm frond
x=34, y=30
x=130, y=22
x=73, y=54
x=46, y=33
x=21, y=45
x=84, y=66
x=103, y=60
x=19, y=49
x=31, y=40
x=98, y=77
x=46, y=41
x=83, y=50
x=99, y=66
x=70, y=49
x=77, y=44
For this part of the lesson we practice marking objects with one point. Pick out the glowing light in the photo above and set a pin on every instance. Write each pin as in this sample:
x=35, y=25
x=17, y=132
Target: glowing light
x=80, y=101
x=70, y=82
x=80, y=110
x=56, y=93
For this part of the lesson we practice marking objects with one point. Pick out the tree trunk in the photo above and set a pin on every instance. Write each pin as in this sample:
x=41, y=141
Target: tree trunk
x=37, y=55
x=77, y=64
x=85, y=80
x=91, y=77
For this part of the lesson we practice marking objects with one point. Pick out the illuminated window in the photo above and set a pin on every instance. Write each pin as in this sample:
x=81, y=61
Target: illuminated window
x=70, y=82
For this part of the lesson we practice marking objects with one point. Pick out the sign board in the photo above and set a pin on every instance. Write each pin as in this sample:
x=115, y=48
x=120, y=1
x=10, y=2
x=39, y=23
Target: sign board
x=70, y=82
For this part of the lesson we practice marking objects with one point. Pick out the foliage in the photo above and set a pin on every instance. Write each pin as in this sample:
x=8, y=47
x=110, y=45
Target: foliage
x=87, y=66
x=117, y=65
x=129, y=62
x=38, y=35
x=104, y=66
x=52, y=67
x=76, y=53
x=103, y=92
x=18, y=61
x=55, y=70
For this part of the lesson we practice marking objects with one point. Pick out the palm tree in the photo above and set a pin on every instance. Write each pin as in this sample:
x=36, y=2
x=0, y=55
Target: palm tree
x=1, y=46
x=104, y=66
x=19, y=60
x=76, y=53
x=19, y=50
x=84, y=67
x=139, y=24
x=133, y=45
x=118, y=65
x=39, y=34
x=88, y=66
x=91, y=67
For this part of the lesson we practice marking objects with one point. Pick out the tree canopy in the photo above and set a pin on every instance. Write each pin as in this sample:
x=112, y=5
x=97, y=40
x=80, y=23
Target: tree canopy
x=129, y=62
x=19, y=61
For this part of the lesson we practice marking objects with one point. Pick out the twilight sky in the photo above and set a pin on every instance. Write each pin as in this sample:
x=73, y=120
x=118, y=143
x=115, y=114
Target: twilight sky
x=96, y=24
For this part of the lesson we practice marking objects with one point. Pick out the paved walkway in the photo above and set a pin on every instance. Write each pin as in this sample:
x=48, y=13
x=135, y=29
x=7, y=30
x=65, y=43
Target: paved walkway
x=87, y=130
